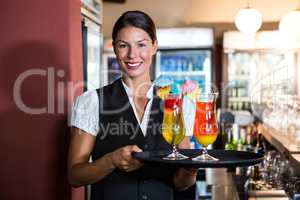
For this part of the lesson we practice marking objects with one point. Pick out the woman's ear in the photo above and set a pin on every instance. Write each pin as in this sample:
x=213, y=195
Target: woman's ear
x=155, y=46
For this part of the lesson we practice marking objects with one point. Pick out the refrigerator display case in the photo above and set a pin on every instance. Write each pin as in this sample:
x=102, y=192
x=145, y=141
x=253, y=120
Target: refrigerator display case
x=185, y=53
x=193, y=64
x=92, y=43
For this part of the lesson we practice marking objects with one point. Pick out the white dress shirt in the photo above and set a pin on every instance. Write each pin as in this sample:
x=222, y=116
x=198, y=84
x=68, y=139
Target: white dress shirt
x=85, y=111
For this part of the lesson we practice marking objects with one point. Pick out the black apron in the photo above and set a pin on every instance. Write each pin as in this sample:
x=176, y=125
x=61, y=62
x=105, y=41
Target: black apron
x=118, y=128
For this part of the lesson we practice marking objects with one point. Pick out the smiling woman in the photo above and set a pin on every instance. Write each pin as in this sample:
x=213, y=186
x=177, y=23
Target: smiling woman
x=134, y=50
x=124, y=117
x=135, y=42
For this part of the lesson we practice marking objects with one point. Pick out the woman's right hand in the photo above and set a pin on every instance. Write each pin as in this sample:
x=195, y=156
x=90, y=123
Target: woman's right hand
x=123, y=160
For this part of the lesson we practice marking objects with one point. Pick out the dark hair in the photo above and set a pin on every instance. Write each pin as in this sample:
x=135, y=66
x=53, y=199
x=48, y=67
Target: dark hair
x=136, y=19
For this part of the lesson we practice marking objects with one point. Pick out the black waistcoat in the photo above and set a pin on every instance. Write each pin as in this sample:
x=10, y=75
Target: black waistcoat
x=118, y=128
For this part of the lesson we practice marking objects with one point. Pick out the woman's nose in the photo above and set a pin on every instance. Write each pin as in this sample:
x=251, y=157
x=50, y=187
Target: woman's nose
x=133, y=52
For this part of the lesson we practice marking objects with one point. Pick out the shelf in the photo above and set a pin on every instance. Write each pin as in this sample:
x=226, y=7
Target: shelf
x=280, y=141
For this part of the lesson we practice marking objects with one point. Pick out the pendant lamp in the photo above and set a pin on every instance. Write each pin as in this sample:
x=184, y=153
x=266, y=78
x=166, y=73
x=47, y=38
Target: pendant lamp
x=289, y=25
x=248, y=20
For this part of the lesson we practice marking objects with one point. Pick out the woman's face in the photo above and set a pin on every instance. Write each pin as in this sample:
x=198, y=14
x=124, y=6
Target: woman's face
x=134, y=50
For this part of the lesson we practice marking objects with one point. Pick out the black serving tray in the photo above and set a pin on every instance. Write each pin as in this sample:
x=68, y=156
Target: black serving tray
x=227, y=158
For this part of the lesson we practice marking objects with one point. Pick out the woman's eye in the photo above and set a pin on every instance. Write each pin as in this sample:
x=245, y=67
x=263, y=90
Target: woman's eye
x=122, y=46
x=142, y=45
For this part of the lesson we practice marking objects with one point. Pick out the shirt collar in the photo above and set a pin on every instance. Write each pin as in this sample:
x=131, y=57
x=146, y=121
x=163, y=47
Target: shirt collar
x=129, y=91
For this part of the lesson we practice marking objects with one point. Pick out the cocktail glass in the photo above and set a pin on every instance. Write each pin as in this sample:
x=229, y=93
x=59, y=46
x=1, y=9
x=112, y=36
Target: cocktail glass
x=173, y=129
x=205, y=125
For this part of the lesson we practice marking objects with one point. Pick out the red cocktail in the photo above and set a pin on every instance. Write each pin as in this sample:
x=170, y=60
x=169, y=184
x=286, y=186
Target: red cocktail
x=205, y=125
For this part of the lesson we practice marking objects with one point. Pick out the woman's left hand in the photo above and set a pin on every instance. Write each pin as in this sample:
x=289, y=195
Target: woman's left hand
x=185, y=144
x=185, y=178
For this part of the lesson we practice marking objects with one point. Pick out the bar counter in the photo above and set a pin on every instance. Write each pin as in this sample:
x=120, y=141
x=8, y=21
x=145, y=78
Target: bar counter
x=223, y=184
x=281, y=141
x=284, y=143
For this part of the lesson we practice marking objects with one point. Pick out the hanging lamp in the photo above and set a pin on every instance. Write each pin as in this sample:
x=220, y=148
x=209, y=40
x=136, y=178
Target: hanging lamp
x=248, y=20
x=289, y=24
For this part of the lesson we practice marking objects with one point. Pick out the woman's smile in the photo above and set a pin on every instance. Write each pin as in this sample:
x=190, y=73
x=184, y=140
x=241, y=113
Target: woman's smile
x=133, y=65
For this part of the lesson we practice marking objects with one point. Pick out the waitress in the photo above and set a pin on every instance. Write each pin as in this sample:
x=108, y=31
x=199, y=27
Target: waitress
x=124, y=117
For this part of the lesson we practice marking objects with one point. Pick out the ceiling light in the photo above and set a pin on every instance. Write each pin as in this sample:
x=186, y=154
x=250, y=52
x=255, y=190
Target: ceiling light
x=289, y=25
x=248, y=20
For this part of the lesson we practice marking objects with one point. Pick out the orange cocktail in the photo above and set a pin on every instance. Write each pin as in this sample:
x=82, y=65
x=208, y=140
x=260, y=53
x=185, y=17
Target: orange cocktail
x=205, y=125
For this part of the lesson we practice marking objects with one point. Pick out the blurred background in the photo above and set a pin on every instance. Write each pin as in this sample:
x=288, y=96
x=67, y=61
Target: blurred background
x=249, y=50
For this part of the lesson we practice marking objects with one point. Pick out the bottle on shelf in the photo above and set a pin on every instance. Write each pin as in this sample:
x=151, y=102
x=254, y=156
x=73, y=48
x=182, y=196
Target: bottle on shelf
x=230, y=105
x=242, y=140
x=234, y=91
x=240, y=105
x=235, y=105
x=230, y=144
x=229, y=92
x=260, y=144
x=254, y=136
x=235, y=133
x=248, y=146
x=245, y=106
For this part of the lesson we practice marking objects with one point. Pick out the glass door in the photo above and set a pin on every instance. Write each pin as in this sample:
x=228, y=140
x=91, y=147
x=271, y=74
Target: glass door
x=92, y=47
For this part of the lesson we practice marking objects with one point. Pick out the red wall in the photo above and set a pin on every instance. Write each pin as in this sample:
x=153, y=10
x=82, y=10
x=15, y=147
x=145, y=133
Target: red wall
x=37, y=34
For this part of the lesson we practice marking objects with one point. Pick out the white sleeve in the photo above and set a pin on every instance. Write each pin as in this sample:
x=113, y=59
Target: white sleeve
x=85, y=112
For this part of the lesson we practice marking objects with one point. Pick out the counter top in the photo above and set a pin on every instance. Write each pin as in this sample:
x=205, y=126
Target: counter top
x=281, y=141
x=296, y=157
